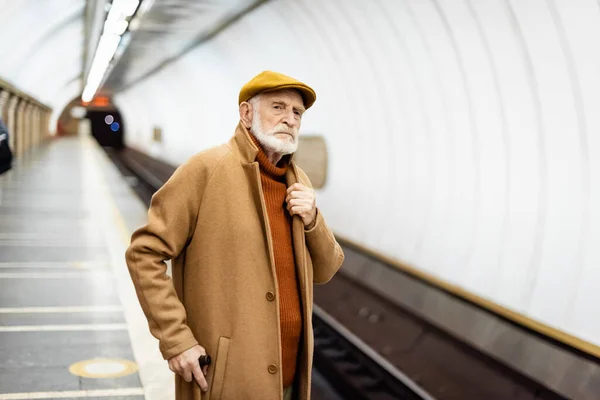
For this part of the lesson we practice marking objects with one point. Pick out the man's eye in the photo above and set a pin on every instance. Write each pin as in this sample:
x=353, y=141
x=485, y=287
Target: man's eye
x=277, y=107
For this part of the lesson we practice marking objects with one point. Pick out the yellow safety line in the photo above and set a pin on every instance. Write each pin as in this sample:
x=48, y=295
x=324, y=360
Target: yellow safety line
x=116, y=213
x=511, y=315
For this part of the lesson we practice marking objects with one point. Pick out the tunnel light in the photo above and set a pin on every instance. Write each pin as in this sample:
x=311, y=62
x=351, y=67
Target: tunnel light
x=114, y=27
x=134, y=24
x=116, y=20
x=106, y=49
x=121, y=10
x=127, y=7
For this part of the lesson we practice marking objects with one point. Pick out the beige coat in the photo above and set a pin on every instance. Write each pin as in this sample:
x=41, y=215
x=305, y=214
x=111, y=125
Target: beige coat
x=210, y=219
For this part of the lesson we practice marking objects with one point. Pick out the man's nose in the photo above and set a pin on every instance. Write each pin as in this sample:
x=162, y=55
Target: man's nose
x=290, y=119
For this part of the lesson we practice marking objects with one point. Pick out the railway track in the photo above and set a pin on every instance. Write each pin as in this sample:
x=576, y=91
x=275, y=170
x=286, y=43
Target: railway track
x=354, y=369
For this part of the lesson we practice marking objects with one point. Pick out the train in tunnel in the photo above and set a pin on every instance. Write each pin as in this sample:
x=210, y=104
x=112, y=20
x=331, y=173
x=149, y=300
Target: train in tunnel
x=453, y=148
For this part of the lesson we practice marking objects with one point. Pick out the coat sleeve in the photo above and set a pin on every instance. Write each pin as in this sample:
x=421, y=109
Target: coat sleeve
x=171, y=221
x=326, y=254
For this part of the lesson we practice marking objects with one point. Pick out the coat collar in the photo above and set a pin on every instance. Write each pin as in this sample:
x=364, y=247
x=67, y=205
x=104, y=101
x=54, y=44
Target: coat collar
x=244, y=147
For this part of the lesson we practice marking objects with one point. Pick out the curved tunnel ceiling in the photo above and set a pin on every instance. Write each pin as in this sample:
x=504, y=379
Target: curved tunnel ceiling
x=168, y=29
x=42, y=47
x=462, y=135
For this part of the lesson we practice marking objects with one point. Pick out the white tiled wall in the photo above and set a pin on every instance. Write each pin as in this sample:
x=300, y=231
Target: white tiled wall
x=41, y=49
x=463, y=135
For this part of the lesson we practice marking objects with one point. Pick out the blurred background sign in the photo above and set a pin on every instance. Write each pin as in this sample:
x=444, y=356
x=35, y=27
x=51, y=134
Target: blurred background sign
x=312, y=158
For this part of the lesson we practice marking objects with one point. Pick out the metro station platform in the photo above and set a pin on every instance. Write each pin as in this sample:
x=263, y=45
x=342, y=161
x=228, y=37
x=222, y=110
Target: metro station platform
x=70, y=324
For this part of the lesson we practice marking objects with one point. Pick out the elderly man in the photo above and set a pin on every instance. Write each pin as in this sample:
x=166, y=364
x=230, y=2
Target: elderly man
x=246, y=240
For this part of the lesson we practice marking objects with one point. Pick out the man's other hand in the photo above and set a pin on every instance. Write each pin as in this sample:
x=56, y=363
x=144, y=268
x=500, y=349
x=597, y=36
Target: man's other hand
x=187, y=366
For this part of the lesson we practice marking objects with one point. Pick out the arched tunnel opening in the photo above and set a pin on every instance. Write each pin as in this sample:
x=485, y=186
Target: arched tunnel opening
x=101, y=119
x=106, y=127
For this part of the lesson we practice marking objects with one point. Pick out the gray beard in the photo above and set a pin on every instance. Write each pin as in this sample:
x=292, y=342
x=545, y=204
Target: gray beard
x=270, y=142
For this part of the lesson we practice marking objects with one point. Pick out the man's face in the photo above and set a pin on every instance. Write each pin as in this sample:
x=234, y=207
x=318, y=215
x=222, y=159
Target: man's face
x=276, y=120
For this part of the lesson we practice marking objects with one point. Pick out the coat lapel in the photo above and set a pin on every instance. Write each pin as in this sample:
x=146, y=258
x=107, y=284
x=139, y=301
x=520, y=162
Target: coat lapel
x=298, y=239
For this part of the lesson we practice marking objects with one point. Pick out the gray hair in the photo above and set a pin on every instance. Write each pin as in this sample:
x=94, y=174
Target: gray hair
x=254, y=100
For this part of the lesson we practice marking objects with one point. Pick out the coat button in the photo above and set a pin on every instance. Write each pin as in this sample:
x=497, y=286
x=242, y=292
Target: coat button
x=270, y=296
x=272, y=369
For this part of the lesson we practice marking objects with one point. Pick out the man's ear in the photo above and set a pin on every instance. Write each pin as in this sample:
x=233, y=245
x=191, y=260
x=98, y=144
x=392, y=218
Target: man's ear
x=246, y=114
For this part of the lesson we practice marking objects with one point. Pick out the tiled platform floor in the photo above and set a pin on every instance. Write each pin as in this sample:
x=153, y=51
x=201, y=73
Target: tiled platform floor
x=65, y=294
x=66, y=216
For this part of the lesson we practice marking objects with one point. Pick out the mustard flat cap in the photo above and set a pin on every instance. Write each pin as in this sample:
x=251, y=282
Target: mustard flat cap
x=267, y=81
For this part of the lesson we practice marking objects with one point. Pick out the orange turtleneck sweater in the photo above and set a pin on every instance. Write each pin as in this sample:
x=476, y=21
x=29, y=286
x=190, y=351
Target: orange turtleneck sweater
x=274, y=188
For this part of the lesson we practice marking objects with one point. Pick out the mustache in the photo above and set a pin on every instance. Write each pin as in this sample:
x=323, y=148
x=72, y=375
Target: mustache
x=281, y=128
